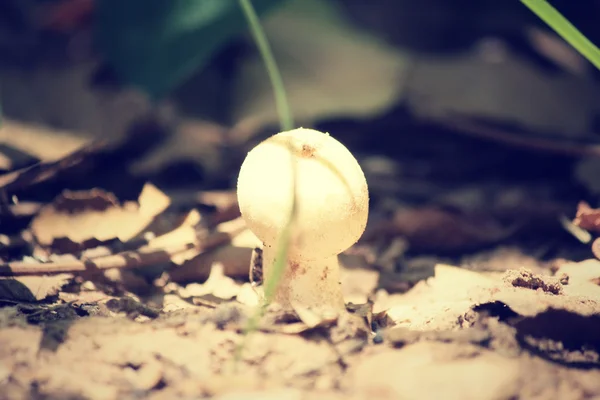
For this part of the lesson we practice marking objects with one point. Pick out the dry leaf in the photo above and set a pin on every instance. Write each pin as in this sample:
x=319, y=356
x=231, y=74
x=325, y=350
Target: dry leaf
x=234, y=257
x=435, y=371
x=198, y=142
x=29, y=94
x=224, y=201
x=559, y=51
x=39, y=142
x=45, y=170
x=97, y=215
x=314, y=318
x=358, y=284
x=438, y=302
x=184, y=233
x=217, y=284
x=273, y=394
x=565, y=104
x=584, y=278
x=249, y=295
x=32, y=288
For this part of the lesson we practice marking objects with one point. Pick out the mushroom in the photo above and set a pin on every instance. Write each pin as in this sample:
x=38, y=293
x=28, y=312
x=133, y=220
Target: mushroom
x=332, y=204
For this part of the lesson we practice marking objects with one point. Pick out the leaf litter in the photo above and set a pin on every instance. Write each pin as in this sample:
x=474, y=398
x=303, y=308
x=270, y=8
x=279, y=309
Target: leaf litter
x=179, y=325
x=111, y=296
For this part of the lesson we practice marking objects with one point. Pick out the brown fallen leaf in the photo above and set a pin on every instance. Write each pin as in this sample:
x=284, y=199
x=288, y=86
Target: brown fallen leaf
x=197, y=142
x=86, y=218
x=37, y=142
x=583, y=277
x=358, y=284
x=438, y=302
x=45, y=170
x=234, y=256
x=441, y=301
x=225, y=202
x=125, y=259
x=235, y=260
x=185, y=233
x=217, y=284
x=144, y=256
x=32, y=288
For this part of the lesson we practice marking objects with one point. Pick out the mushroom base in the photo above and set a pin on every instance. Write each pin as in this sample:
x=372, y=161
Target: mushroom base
x=314, y=284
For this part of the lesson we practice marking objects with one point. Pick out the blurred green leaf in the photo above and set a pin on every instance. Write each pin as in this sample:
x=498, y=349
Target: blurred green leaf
x=157, y=44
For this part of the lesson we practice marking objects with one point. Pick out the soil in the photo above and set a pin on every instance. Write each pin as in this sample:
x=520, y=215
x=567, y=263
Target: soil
x=538, y=342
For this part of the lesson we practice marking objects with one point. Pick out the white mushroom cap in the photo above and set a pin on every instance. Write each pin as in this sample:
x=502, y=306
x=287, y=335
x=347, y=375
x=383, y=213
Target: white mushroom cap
x=332, y=193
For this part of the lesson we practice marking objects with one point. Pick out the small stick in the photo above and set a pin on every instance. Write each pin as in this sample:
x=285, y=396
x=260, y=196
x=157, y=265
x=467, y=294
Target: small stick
x=468, y=127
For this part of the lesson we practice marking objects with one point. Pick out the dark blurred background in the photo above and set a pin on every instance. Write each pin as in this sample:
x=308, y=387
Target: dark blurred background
x=472, y=107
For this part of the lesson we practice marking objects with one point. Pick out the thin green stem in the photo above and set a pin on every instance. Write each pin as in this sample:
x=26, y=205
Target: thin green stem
x=287, y=123
x=565, y=29
x=283, y=109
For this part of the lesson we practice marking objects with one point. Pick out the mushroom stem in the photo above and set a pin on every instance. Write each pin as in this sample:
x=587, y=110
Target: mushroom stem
x=313, y=283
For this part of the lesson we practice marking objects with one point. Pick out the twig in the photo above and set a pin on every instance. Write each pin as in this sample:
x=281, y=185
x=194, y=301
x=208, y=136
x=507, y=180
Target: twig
x=126, y=259
x=468, y=127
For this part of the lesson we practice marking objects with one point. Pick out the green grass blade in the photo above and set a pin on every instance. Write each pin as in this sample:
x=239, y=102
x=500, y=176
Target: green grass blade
x=283, y=109
x=287, y=123
x=565, y=29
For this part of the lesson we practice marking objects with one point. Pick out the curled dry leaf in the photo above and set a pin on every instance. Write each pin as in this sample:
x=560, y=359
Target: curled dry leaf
x=80, y=217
